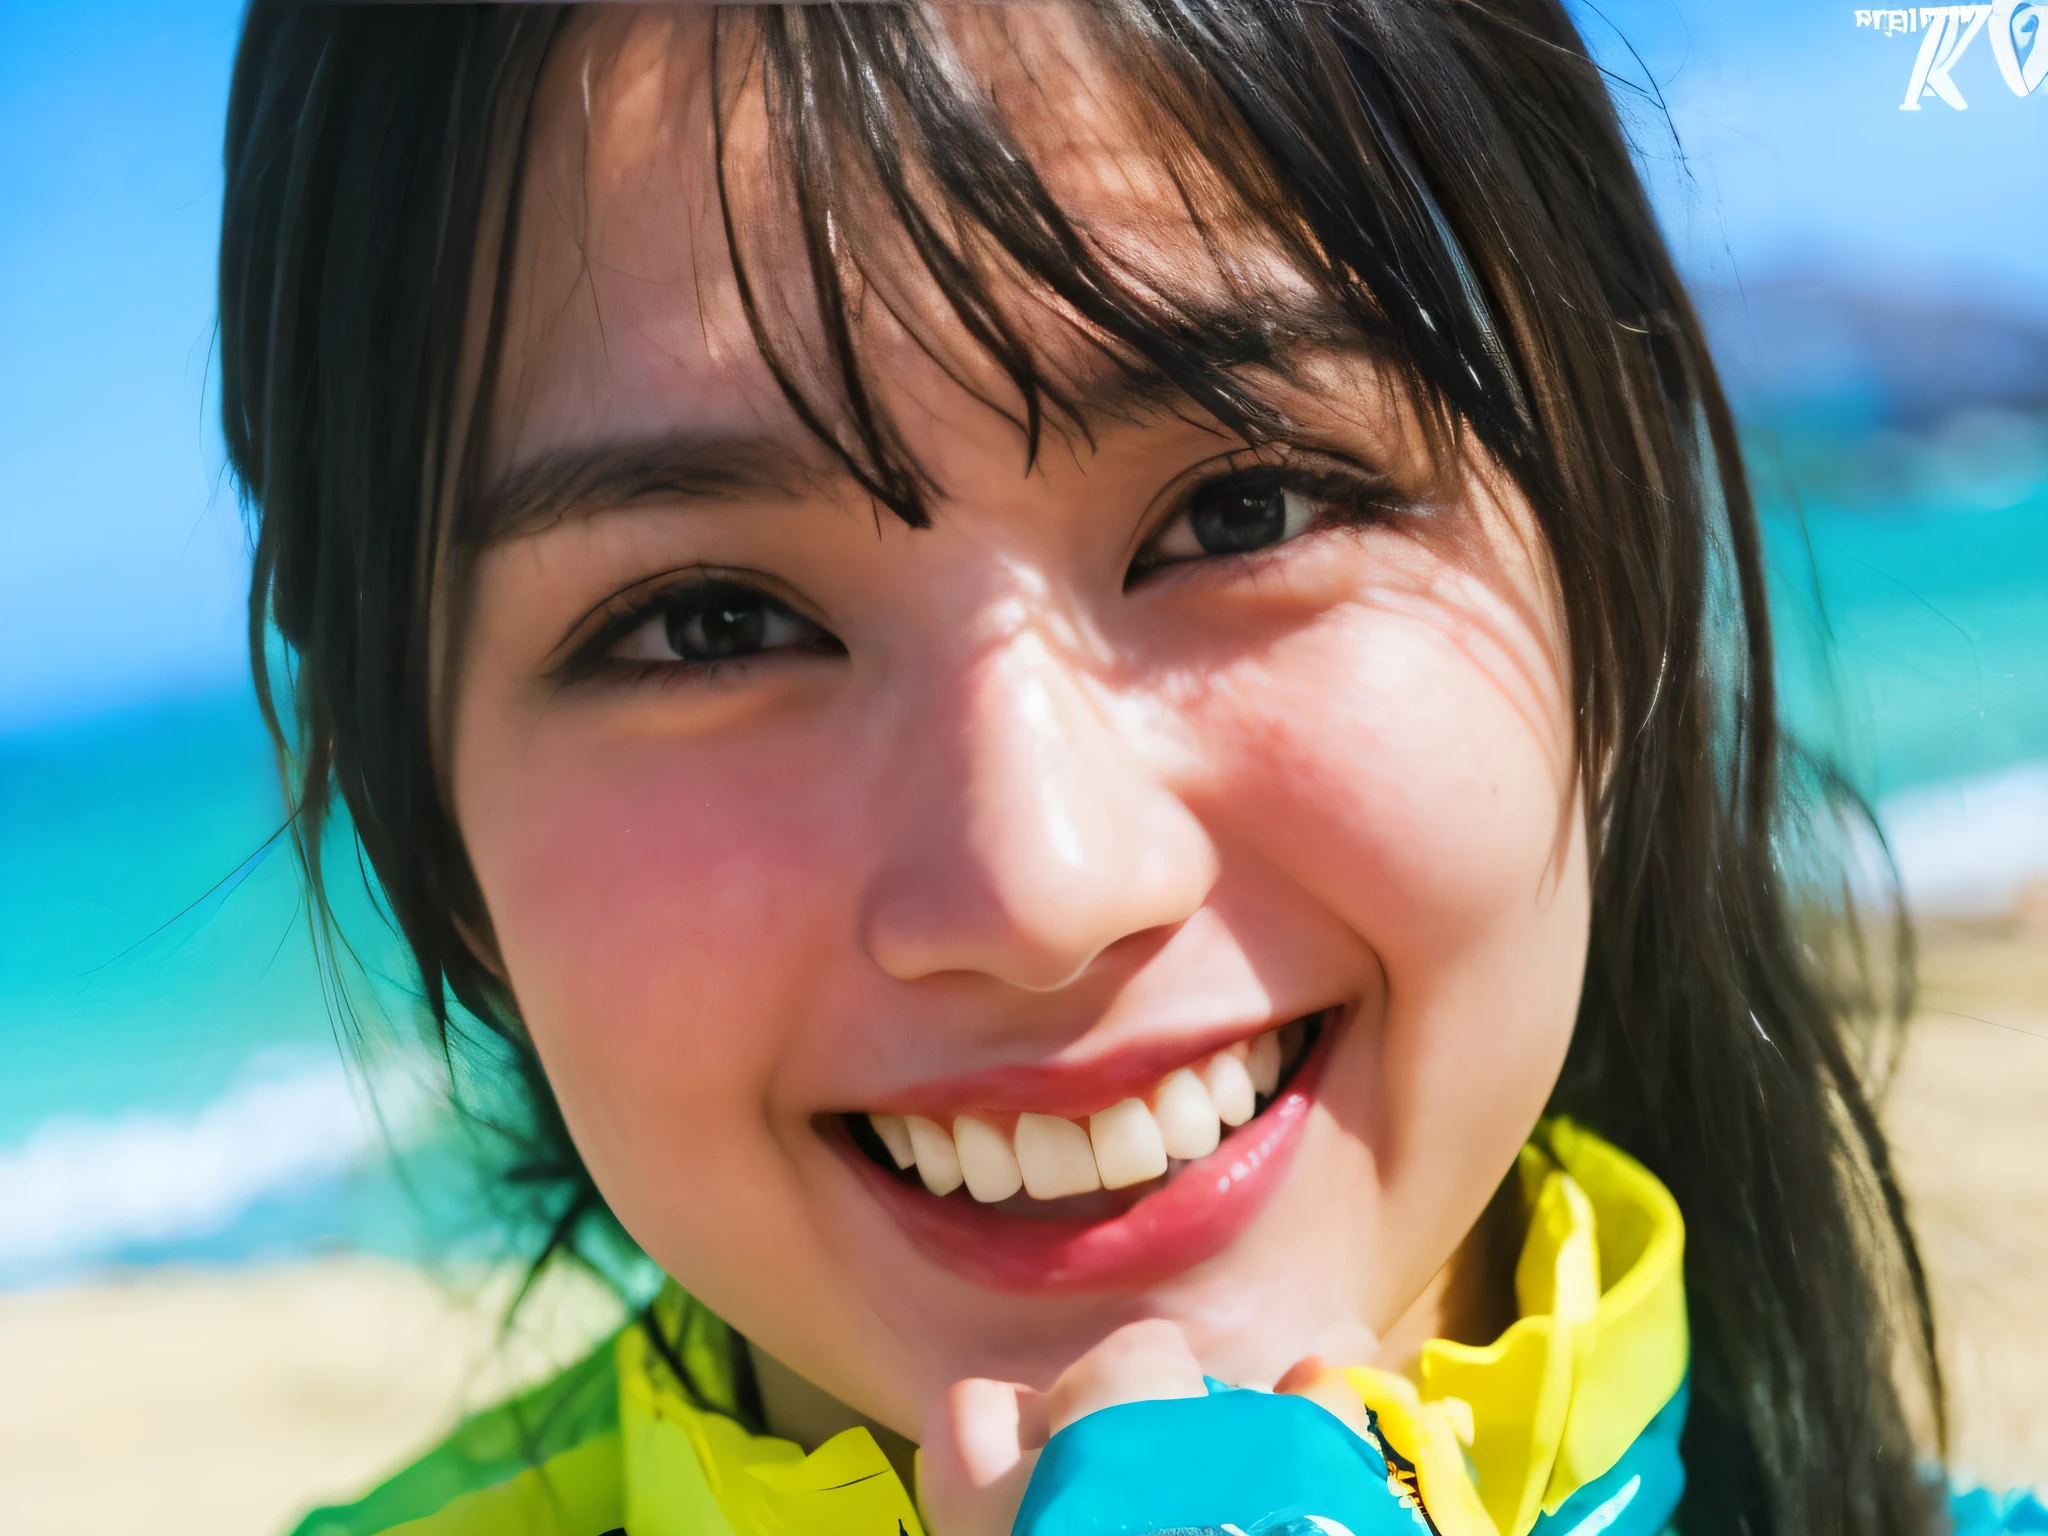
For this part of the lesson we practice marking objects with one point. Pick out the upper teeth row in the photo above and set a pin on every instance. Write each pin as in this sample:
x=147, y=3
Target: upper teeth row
x=1050, y=1157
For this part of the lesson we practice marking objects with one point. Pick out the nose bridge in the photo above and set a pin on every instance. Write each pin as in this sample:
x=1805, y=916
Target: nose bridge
x=1035, y=833
x=1033, y=736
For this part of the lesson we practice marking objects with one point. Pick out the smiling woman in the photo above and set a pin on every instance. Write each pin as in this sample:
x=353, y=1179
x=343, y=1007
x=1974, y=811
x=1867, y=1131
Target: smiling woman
x=1056, y=668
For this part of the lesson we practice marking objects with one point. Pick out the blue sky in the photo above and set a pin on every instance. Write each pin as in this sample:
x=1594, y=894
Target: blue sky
x=1796, y=157
x=121, y=548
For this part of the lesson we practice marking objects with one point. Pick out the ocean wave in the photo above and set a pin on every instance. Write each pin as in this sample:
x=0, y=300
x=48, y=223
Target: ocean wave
x=81, y=1188
x=1969, y=846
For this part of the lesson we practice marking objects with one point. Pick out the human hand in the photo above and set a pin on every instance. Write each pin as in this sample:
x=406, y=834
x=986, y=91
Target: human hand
x=982, y=1440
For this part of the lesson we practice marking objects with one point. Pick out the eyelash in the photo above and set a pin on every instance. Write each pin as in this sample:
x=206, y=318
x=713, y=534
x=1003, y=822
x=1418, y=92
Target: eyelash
x=626, y=613
x=1340, y=494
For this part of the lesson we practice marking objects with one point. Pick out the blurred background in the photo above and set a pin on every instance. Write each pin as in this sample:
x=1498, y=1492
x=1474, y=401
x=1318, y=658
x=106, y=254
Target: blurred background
x=239, y=1281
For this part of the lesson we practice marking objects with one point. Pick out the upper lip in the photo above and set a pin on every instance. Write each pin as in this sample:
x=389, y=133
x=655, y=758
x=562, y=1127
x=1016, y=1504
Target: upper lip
x=1071, y=1089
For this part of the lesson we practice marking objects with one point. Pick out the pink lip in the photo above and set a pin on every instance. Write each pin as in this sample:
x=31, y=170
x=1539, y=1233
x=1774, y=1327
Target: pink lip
x=1195, y=1216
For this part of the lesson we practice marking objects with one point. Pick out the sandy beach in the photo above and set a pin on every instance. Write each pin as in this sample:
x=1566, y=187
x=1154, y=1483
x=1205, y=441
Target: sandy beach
x=1968, y=1115
x=227, y=1402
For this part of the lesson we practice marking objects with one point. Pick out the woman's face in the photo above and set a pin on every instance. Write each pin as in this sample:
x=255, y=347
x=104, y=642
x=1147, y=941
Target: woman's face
x=786, y=814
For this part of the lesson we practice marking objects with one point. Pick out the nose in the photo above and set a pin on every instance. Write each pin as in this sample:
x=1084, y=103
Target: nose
x=1032, y=834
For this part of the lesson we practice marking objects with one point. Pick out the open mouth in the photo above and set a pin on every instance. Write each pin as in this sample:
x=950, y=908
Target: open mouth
x=1127, y=1194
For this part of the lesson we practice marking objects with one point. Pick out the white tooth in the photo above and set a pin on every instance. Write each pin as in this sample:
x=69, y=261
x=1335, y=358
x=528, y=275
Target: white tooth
x=1127, y=1145
x=1264, y=1062
x=1230, y=1086
x=938, y=1164
x=986, y=1161
x=895, y=1137
x=1188, y=1126
x=1054, y=1157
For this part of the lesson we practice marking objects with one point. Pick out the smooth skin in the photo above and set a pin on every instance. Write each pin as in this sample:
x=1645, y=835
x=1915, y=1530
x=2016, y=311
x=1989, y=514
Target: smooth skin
x=1038, y=782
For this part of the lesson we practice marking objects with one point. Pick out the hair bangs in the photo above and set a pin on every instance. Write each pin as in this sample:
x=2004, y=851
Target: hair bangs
x=906, y=182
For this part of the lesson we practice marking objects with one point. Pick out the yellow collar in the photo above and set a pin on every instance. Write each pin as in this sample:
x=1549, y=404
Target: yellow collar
x=1497, y=1434
x=1504, y=1433
x=692, y=1470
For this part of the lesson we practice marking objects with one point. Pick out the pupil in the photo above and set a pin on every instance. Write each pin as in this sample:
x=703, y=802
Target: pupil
x=723, y=625
x=1239, y=516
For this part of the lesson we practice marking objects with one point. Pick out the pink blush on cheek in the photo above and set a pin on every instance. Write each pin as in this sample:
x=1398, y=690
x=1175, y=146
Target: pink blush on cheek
x=1391, y=776
x=664, y=928
x=657, y=903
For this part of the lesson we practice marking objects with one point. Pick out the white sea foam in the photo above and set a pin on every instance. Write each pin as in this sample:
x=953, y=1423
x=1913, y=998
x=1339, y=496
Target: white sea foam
x=79, y=1187
x=1970, y=845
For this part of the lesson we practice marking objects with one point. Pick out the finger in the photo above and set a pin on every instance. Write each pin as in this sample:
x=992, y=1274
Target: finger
x=1139, y=1361
x=980, y=1445
x=1302, y=1374
x=986, y=1420
x=1325, y=1386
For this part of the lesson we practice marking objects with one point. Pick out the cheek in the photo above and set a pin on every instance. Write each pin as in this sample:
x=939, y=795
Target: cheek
x=1412, y=772
x=1411, y=764
x=651, y=902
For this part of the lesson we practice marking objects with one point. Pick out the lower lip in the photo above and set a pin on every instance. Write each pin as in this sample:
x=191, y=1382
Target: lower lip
x=1193, y=1217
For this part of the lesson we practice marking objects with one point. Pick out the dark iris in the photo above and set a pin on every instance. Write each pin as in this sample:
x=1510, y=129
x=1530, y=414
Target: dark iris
x=1243, y=513
x=717, y=621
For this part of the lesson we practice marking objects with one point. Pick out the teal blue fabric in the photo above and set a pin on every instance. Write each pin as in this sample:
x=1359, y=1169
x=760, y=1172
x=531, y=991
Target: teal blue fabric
x=1267, y=1464
x=1638, y=1495
x=1980, y=1512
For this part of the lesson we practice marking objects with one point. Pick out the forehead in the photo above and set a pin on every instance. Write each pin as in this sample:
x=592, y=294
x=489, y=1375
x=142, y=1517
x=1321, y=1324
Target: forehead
x=620, y=297
x=626, y=316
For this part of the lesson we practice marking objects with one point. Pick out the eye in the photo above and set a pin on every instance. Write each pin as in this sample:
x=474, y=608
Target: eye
x=713, y=621
x=1252, y=509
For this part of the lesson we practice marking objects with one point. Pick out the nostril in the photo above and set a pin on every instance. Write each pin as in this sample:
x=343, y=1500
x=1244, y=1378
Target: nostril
x=1001, y=942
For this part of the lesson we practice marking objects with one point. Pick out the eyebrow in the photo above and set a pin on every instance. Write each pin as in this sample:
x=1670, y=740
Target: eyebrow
x=1235, y=336
x=676, y=466
x=687, y=466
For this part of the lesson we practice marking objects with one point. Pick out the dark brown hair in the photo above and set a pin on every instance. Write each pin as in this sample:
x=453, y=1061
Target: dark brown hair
x=1451, y=176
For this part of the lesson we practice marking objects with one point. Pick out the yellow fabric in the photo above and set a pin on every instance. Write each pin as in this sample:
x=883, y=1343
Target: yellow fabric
x=1503, y=1433
x=577, y=1493
x=674, y=1469
x=691, y=1471
x=1497, y=1434
x=1433, y=1435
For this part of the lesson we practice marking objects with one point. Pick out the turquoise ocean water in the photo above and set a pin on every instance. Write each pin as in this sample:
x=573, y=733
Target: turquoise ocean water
x=172, y=1086
x=1914, y=644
